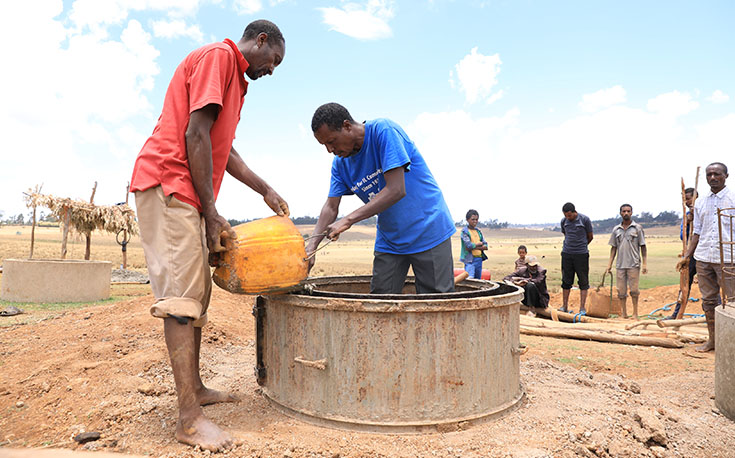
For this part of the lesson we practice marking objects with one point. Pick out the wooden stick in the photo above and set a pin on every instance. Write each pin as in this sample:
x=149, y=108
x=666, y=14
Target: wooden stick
x=88, y=235
x=677, y=323
x=639, y=324
x=601, y=337
x=684, y=282
x=65, y=232
x=461, y=277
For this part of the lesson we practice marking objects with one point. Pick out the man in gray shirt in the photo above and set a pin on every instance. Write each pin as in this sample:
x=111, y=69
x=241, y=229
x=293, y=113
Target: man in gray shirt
x=575, y=257
x=629, y=243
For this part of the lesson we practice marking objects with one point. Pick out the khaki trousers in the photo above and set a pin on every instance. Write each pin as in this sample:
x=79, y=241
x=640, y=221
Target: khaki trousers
x=628, y=278
x=173, y=236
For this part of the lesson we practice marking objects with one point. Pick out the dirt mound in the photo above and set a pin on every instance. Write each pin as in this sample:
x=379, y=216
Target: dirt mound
x=105, y=369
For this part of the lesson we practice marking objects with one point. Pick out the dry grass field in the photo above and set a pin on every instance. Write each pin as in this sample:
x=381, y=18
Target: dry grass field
x=352, y=253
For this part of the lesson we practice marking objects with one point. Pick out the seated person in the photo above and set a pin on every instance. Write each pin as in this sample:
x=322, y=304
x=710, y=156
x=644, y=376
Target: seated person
x=532, y=278
x=521, y=261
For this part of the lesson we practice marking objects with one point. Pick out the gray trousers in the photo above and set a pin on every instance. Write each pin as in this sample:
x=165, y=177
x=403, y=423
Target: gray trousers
x=433, y=269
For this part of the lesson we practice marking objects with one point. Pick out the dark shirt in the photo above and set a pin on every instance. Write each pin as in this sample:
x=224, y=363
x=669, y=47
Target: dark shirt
x=575, y=234
x=538, y=278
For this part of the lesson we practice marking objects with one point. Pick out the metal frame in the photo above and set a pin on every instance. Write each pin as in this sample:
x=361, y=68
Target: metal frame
x=728, y=270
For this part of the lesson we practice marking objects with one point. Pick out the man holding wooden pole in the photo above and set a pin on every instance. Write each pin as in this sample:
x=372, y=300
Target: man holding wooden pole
x=704, y=245
x=628, y=242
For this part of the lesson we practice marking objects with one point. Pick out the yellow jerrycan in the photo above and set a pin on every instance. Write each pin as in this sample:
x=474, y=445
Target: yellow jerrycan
x=268, y=257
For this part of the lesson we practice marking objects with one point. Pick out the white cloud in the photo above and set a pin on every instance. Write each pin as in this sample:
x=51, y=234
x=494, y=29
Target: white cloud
x=602, y=99
x=673, y=104
x=248, y=6
x=364, y=22
x=718, y=97
x=597, y=161
x=87, y=111
x=177, y=28
x=477, y=75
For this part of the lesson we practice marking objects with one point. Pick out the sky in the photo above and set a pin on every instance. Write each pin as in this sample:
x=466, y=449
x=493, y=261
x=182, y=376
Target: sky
x=517, y=106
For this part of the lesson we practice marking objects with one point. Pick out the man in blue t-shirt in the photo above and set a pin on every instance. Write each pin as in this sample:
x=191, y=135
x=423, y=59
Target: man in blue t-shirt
x=376, y=161
x=575, y=257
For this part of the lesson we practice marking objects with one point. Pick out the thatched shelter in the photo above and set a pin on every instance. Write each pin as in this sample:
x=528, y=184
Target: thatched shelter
x=84, y=217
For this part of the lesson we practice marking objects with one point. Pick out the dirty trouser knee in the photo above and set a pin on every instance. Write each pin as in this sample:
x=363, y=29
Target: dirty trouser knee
x=628, y=280
x=174, y=242
x=710, y=279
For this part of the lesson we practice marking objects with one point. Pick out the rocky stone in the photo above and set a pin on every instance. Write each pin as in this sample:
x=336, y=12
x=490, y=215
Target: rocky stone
x=648, y=421
x=87, y=437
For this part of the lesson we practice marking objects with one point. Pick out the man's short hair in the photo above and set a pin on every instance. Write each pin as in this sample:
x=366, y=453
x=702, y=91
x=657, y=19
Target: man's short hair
x=626, y=205
x=255, y=28
x=724, y=167
x=471, y=213
x=522, y=247
x=568, y=207
x=332, y=114
x=689, y=191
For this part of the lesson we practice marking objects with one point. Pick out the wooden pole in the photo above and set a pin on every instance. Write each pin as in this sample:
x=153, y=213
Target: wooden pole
x=684, y=279
x=33, y=233
x=88, y=235
x=65, y=234
x=677, y=323
x=125, y=233
x=33, y=227
x=601, y=337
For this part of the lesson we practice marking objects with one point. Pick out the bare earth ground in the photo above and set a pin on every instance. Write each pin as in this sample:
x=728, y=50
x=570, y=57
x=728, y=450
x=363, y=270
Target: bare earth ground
x=105, y=368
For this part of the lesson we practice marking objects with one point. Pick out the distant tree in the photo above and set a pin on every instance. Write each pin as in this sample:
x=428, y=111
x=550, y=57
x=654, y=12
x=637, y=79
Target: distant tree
x=304, y=220
x=372, y=221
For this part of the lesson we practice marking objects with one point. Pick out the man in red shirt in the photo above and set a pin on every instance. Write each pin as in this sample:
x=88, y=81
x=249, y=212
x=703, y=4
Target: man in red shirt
x=176, y=179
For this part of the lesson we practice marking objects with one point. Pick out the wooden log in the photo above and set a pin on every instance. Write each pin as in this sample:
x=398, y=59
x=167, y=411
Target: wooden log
x=601, y=337
x=679, y=323
x=569, y=317
x=639, y=324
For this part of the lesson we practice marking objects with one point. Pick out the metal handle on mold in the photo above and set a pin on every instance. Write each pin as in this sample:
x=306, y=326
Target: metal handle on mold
x=320, y=364
x=521, y=350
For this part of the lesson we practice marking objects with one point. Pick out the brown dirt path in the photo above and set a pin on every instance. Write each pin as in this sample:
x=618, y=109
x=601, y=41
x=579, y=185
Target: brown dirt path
x=105, y=369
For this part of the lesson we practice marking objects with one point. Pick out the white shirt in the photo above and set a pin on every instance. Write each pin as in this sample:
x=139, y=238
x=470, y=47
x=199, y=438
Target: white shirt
x=707, y=226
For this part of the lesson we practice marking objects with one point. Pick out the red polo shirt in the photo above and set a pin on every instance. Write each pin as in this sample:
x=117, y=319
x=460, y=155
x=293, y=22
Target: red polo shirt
x=211, y=74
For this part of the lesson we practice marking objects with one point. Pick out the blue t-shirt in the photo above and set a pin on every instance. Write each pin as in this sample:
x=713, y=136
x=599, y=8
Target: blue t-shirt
x=575, y=234
x=418, y=222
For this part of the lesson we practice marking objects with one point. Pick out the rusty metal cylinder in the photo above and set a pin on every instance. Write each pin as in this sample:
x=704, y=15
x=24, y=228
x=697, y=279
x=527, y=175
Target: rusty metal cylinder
x=341, y=357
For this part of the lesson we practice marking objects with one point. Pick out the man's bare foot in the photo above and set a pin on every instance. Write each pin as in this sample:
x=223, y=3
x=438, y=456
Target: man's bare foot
x=208, y=396
x=202, y=432
x=705, y=347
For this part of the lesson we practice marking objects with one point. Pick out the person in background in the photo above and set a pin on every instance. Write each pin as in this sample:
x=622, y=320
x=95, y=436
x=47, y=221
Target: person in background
x=689, y=199
x=628, y=242
x=532, y=278
x=521, y=261
x=473, y=246
x=575, y=256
